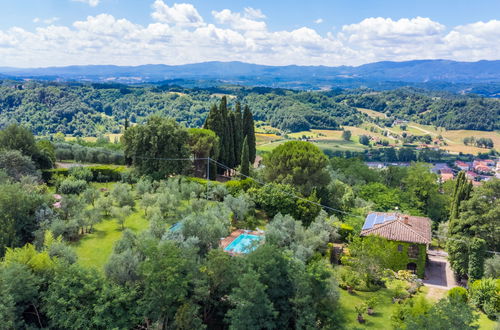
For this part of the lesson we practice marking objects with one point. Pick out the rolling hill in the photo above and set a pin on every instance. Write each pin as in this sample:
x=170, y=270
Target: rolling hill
x=461, y=76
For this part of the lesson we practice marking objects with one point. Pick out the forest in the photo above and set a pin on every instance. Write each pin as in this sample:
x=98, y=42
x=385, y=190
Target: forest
x=94, y=109
x=137, y=246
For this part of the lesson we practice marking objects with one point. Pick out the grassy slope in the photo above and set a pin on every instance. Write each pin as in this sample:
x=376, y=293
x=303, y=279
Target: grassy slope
x=454, y=138
x=382, y=317
x=332, y=140
x=379, y=320
x=94, y=249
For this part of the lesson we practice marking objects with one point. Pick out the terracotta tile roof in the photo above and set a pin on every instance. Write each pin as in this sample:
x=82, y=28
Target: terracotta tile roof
x=447, y=176
x=416, y=230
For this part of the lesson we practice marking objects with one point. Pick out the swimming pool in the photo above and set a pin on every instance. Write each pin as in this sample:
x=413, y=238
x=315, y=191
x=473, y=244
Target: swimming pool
x=243, y=243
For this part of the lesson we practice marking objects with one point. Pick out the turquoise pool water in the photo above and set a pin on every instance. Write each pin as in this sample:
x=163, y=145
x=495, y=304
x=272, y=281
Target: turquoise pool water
x=243, y=243
x=176, y=226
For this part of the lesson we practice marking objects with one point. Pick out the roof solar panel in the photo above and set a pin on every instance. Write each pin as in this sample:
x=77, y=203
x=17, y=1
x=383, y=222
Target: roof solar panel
x=369, y=221
x=373, y=219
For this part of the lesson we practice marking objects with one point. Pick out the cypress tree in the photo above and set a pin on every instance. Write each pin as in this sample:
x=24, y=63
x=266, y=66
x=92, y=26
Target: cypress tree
x=237, y=133
x=461, y=192
x=214, y=122
x=224, y=151
x=231, y=158
x=477, y=251
x=249, y=132
x=245, y=160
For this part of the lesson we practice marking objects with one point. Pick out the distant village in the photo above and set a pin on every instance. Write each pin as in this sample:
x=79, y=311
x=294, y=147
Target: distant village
x=477, y=171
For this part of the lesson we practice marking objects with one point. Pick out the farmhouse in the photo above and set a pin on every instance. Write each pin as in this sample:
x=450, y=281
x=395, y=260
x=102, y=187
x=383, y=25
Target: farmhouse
x=413, y=235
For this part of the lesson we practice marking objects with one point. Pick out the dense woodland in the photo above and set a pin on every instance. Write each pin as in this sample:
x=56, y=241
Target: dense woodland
x=93, y=109
x=433, y=108
x=166, y=278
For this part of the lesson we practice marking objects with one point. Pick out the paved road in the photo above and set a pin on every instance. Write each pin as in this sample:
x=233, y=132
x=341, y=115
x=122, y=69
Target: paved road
x=438, y=273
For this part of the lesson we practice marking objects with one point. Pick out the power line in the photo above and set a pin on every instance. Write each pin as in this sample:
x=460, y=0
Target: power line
x=290, y=194
x=461, y=240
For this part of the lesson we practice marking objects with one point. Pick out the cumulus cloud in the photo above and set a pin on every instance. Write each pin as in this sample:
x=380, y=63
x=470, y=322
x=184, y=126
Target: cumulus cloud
x=178, y=34
x=182, y=14
x=318, y=21
x=92, y=3
x=238, y=21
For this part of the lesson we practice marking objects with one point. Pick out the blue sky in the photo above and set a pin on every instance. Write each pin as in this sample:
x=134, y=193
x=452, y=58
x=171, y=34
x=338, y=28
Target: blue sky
x=333, y=32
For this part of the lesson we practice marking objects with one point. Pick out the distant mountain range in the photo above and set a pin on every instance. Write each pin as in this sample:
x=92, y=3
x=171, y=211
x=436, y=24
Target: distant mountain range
x=392, y=74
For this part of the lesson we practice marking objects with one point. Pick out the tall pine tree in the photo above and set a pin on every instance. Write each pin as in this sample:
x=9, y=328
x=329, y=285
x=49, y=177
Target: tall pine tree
x=249, y=133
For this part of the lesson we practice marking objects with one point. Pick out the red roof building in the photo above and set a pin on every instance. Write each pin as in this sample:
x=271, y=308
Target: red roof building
x=398, y=227
x=462, y=165
x=447, y=176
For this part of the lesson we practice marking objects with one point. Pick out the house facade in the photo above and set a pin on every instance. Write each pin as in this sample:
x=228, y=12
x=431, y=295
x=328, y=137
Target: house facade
x=411, y=234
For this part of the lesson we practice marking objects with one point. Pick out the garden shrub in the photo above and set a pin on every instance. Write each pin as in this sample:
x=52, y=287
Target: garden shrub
x=458, y=294
x=107, y=173
x=104, y=173
x=398, y=288
x=347, y=277
x=81, y=173
x=345, y=231
x=237, y=186
x=49, y=175
x=484, y=294
x=71, y=186
x=492, y=267
x=129, y=175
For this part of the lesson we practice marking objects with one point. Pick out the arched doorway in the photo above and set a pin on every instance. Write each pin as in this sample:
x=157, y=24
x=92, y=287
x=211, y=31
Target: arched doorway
x=412, y=266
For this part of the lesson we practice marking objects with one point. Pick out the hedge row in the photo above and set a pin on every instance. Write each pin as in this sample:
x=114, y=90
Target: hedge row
x=102, y=173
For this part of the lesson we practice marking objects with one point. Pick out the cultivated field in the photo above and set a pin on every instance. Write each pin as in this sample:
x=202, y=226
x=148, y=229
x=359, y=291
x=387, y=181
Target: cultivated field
x=372, y=113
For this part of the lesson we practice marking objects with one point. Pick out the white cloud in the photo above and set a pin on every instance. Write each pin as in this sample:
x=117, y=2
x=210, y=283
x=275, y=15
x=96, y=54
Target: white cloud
x=92, y=3
x=318, y=21
x=106, y=25
x=253, y=13
x=237, y=21
x=46, y=21
x=178, y=34
x=182, y=14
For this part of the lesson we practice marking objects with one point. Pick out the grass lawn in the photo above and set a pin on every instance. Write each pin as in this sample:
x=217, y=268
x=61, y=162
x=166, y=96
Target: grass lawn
x=487, y=324
x=269, y=146
x=340, y=145
x=379, y=320
x=94, y=249
x=261, y=138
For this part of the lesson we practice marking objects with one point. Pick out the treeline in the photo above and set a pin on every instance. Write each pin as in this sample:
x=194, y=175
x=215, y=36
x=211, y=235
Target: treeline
x=93, y=109
x=481, y=142
x=445, y=110
x=83, y=154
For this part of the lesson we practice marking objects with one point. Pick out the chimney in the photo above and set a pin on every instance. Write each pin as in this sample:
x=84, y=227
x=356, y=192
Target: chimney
x=406, y=220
